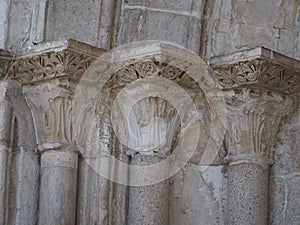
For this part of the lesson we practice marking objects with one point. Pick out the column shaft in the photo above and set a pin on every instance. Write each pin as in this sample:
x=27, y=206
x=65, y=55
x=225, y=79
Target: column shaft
x=58, y=188
x=148, y=205
x=247, y=194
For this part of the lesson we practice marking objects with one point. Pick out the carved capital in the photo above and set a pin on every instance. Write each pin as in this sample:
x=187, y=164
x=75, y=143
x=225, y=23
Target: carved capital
x=256, y=84
x=51, y=107
x=258, y=67
x=49, y=75
x=254, y=116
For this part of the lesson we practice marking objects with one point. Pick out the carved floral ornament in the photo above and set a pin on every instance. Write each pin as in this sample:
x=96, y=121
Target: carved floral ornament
x=49, y=65
x=260, y=72
x=49, y=77
x=258, y=67
x=56, y=74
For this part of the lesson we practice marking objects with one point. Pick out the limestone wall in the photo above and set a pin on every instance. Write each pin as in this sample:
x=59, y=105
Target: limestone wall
x=208, y=27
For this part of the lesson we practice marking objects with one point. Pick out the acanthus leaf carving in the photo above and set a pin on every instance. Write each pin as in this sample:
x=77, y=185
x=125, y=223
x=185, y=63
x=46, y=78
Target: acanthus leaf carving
x=52, y=112
x=254, y=116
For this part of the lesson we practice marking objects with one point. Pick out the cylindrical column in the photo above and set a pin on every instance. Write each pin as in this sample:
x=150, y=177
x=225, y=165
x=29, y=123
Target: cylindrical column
x=148, y=205
x=5, y=123
x=58, y=188
x=247, y=192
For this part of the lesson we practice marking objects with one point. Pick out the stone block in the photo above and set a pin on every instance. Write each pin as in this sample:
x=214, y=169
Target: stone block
x=172, y=5
x=73, y=19
x=138, y=25
x=20, y=21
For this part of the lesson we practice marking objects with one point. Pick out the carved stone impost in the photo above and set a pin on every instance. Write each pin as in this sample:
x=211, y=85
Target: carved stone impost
x=258, y=67
x=256, y=86
x=49, y=74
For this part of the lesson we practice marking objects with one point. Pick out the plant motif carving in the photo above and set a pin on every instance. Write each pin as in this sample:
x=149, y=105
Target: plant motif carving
x=52, y=112
x=254, y=116
x=260, y=72
x=49, y=65
x=141, y=70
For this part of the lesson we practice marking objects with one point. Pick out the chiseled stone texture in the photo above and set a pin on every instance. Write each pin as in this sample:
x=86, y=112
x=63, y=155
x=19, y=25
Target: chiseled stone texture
x=247, y=191
x=285, y=174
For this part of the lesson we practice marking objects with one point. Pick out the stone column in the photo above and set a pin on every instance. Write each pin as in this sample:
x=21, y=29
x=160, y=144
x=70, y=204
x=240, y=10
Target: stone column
x=148, y=204
x=257, y=84
x=254, y=117
x=49, y=75
x=58, y=187
x=248, y=191
x=51, y=106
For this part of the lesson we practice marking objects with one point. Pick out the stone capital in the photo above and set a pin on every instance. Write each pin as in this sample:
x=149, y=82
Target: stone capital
x=254, y=116
x=49, y=75
x=256, y=84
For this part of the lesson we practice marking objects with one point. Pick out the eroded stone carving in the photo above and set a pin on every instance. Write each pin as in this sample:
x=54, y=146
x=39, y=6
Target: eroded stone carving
x=260, y=67
x=50, y=65
x=254, y=116
x=49, y=76
x=260, y=72
x=51, y=106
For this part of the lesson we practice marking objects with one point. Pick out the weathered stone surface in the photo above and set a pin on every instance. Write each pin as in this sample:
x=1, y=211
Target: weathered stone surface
x=73, y=19
x=285, y=172
x=148, y=204
x=19, y=24
x=174, y=6
x=58, y=188
x=196, y=198
x=260, y=67
x=210, y=28
x=4, y=12
x=5, y=60
x=236, y=25
x=19, y=175
x=139, y=24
